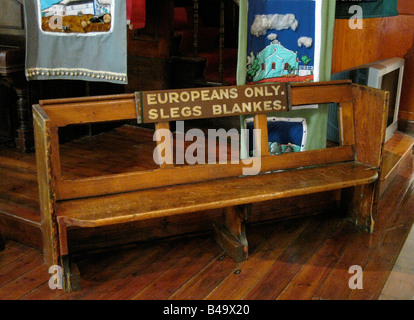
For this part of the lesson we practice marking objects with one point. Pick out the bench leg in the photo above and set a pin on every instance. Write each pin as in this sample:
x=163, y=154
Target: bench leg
x=71, y=275
x=360, y=205
x=231, y=234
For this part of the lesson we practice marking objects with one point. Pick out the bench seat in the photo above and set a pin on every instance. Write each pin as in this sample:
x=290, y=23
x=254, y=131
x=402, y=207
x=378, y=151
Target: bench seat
x=179, y=199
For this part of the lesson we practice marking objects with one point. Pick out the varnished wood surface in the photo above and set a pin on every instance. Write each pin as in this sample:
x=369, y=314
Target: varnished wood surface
x=288, y=260
x=122, y=199
x=221, y=193
x=379, y=39
x=19, y=204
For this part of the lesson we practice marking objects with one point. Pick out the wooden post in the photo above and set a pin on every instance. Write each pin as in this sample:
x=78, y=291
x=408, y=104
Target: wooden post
x=261, y=137
x=221, y=54
x=231, y=235
x=71, y=274
x=359, y=205
x=370, y=122
x=196, y=22
x=47, y=185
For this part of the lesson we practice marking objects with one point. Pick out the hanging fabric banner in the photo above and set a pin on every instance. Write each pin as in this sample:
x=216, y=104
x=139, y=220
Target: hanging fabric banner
x=136, y=14
x=370, y=8
x=284, y=41
x=76, y=40
x=288, y=41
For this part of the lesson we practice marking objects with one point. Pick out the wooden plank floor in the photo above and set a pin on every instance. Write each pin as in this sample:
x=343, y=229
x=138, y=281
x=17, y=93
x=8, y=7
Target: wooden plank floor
x=307, y=258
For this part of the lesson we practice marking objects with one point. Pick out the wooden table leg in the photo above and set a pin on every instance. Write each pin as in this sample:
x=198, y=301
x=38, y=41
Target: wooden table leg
x=231, y=234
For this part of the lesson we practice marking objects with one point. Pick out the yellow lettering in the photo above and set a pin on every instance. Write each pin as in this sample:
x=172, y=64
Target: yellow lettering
x=215, y=95
x=277, y=105
x=248, y=92
x=247, y=106
x=151, y=98
x=186, y=111
x=234, y=93
x=216, y=109
x=225, y=111
x=162, y=101
x=236, y=108
x=256, y=106
x=224, y=93
x=267, y=105
x=164, y=116
x=197, y=111
x=174, y=97
x=195, y=95
x=204, y=95
x=276, y=90
x=258, y=91
x=185, y=96
x=175, y=112
x=268, y=93
x=153, y=114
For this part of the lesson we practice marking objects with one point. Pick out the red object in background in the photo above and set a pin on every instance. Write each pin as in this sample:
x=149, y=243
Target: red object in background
x=136, y=13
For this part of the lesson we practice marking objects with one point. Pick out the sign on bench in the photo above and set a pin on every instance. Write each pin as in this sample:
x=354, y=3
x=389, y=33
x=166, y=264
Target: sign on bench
x=201, y=103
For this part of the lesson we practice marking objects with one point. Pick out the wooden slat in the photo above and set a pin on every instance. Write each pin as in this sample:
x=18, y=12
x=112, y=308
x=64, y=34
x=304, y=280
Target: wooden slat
x=370, y=123
x=123, y=107
x=261, y=137
x=320, y=92
x=55, y=152
x=58, y=102
x=142, y=205
x=346, y=123
x=91, y=112
x=70, y=189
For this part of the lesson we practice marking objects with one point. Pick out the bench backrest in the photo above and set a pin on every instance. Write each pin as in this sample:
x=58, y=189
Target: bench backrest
x=362, y=121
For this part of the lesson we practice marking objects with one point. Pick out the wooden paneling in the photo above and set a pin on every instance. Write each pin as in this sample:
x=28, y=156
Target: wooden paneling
x=406, y=7
x=149, y=48
x=380, y=38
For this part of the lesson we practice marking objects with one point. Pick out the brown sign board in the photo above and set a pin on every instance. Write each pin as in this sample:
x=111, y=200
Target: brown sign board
x=199, y=103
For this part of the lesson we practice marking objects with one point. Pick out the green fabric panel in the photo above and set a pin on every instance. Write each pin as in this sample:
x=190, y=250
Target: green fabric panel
x=316, y=119
x=242, y=51
x=371, y=9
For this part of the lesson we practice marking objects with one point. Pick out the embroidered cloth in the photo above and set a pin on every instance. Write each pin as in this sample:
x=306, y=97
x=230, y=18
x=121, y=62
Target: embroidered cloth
x=76, y=40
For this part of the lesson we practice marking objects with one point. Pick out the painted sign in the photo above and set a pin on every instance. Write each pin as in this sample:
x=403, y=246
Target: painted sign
x=186, y=104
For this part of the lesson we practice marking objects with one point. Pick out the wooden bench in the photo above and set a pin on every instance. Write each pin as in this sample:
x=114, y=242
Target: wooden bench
x=352, y=167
